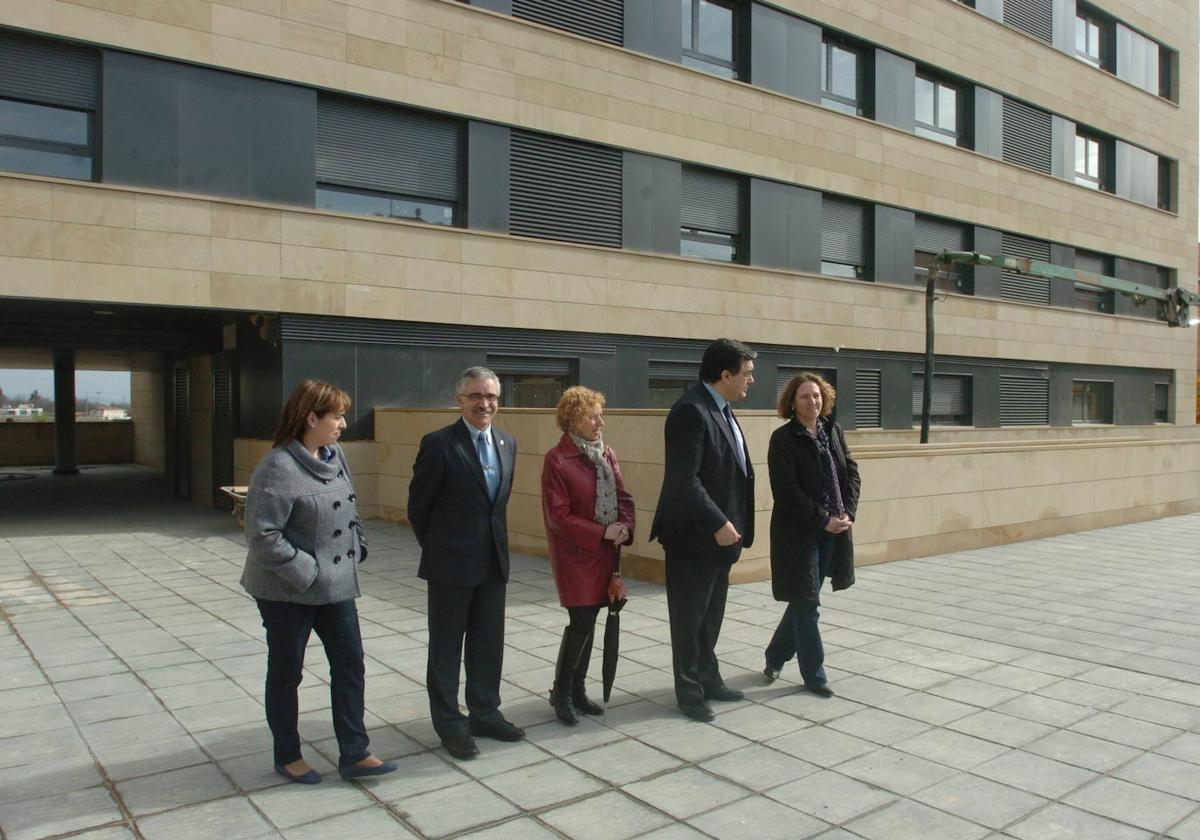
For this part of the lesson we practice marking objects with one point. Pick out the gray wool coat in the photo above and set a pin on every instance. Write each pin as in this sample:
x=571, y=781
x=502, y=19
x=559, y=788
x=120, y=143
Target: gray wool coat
x=304, y=536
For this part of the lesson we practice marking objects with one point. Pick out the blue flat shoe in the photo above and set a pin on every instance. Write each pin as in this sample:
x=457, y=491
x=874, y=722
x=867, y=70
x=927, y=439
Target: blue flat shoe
x=357, y=771
x=311, y=777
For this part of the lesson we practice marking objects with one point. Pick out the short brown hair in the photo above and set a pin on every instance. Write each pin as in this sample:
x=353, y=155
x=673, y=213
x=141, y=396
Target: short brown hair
x=320, y=398
x=576, y=403
x=787, y=400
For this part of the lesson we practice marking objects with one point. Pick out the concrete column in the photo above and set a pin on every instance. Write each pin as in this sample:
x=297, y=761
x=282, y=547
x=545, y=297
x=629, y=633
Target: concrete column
x=64, y=413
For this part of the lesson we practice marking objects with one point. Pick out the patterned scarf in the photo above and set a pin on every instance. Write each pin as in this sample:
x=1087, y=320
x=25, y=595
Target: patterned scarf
x=831, y=491
x=606, y=486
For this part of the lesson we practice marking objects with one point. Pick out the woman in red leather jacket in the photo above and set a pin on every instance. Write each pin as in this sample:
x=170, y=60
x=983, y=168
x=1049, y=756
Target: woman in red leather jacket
x=588, y=517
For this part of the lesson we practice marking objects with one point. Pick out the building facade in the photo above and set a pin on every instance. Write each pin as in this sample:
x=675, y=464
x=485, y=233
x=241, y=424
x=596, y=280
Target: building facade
x=233, y=195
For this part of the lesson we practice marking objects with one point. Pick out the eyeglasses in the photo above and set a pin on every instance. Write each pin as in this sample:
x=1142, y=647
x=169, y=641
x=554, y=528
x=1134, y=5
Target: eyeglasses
x=477, y=397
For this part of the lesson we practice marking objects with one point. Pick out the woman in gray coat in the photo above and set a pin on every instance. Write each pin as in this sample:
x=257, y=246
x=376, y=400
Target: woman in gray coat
x=305, y=543
x=815, y=485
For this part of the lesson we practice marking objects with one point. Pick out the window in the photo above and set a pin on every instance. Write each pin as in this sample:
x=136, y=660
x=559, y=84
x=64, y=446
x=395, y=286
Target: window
x=1024, y=400
x=366, y=203
x=1091, y=402
x=1089, y=296
x=1167, y=170
x=937, y=110
x=843, y=237
x=709, y=34
x=1138, y=61
x=1092, y=158
x=385, y=161
x=841, y=77
x=668, y=381
x=1162, y=409
x=48, y=93
x=931, y=236
x=1093, y=34
x=531, y=381
x=951, y=399
x=45, y=140
x=710, y=215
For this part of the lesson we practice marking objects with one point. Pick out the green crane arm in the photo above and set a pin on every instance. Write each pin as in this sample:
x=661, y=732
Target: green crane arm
x=1176, y=303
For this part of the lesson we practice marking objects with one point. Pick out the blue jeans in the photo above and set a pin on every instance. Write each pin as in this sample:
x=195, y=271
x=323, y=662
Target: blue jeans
x=288, y=628
x=797, y=634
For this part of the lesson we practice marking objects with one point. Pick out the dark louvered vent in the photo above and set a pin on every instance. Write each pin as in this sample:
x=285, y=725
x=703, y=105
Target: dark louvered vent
x=48, y=71
x=181, y=426
x=937, y=235
x=603, y=20
x=323, y=328
x=529, y=365
x=1024, y=401
x=710, y=200
x=223, y=429
x=564, y=189
x=868, y=402
x=665, y=369
x=784, y=374
x=379, y=147
x=1033, y=16
x=843, y=230
x=951, y=397
x=1026, y=137
x=1018, y=286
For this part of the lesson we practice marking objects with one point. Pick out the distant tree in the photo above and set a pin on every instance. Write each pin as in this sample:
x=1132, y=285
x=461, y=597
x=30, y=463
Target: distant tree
x=3, y=399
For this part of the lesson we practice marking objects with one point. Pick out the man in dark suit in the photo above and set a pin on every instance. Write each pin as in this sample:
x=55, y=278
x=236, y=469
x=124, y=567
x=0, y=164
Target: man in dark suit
x=705, y=517
x=457, y=504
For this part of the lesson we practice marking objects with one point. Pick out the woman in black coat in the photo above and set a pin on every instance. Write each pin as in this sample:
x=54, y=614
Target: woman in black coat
x=815, y=485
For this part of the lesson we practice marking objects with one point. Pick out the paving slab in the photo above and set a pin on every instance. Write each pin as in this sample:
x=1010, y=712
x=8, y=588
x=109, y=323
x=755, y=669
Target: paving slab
x=1046, y=689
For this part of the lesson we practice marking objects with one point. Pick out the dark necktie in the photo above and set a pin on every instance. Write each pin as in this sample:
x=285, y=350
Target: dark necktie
x=739, y=445
x=490, y=473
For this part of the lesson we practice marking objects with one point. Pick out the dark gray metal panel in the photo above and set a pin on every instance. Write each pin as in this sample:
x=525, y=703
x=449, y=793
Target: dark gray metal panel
x=650, y=204
x=785, y=226
x=487, y=176
x=1060, y=395
x=179, y=127
x=139, y=121
x=259, y=382
x=335, y=363
x=986, y=281
x=504, y=7
x=283, y=173
x=50, y=72
x=992, y=8
x=897, y=393
x=1138, y=272
x=1063, y=22
x=988, y=130
x=785, y=53
x=654, y=27
x=1062, y=291
x=985, y=389
x=1062, y=147
x=599, y=19
x=895, y=90
x=894, y=231
x=1136, y=173
x=214, y=132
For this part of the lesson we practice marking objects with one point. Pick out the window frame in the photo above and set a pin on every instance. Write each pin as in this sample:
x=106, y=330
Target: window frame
x=58, y=147
x=338, y=189
x=1166, y=412
x=1102, y=388
x=837, y=102
x=706, y=62
x=1102, y=181
x=1102, y=25
x=965, y=420
x=933, y=131
x=699, y=236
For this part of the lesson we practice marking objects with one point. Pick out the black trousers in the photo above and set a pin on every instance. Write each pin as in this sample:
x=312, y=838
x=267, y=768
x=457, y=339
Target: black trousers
x=288, y=628
x=474, y=614
x=696, y=590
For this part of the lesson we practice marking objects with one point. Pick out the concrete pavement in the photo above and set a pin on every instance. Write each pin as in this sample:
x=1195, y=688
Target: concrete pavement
x=1047, y=689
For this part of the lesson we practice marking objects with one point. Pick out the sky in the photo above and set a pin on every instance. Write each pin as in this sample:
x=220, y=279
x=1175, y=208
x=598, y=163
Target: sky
x=99, y=385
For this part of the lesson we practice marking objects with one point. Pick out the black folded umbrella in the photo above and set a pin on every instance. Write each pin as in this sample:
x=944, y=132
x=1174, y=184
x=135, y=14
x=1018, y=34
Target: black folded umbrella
x=612, y=646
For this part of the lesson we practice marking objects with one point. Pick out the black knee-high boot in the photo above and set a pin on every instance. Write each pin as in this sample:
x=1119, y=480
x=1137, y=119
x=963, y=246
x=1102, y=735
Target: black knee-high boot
x=583, y=703
x=564, y=676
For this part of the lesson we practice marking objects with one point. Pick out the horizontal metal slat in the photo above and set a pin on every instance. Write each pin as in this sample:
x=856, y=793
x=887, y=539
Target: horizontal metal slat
x=843, y=230
x=868, y=400
x=603, y=20
x=50, y=72
x=1020, y=287
x=1033, y=16
x=1026, y=135
x=668, y=369
x=936, y=235
x=1024, y=401
x=710, y=200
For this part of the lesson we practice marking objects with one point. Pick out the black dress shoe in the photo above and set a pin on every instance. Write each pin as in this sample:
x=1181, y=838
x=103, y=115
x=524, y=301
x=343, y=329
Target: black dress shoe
x=461, y=747
x=699, y=710
x=723, y=693
x=500, y=730
x=771, y=674
x=821, y=689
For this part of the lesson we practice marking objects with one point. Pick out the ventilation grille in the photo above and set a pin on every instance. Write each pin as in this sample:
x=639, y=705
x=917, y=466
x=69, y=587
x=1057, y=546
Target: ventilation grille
x=868, y=399
x=1024, y=401
x=1018, y=286
x=566, y=190
x=1026, y=136
x=603, y=20
x=1033, y=16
